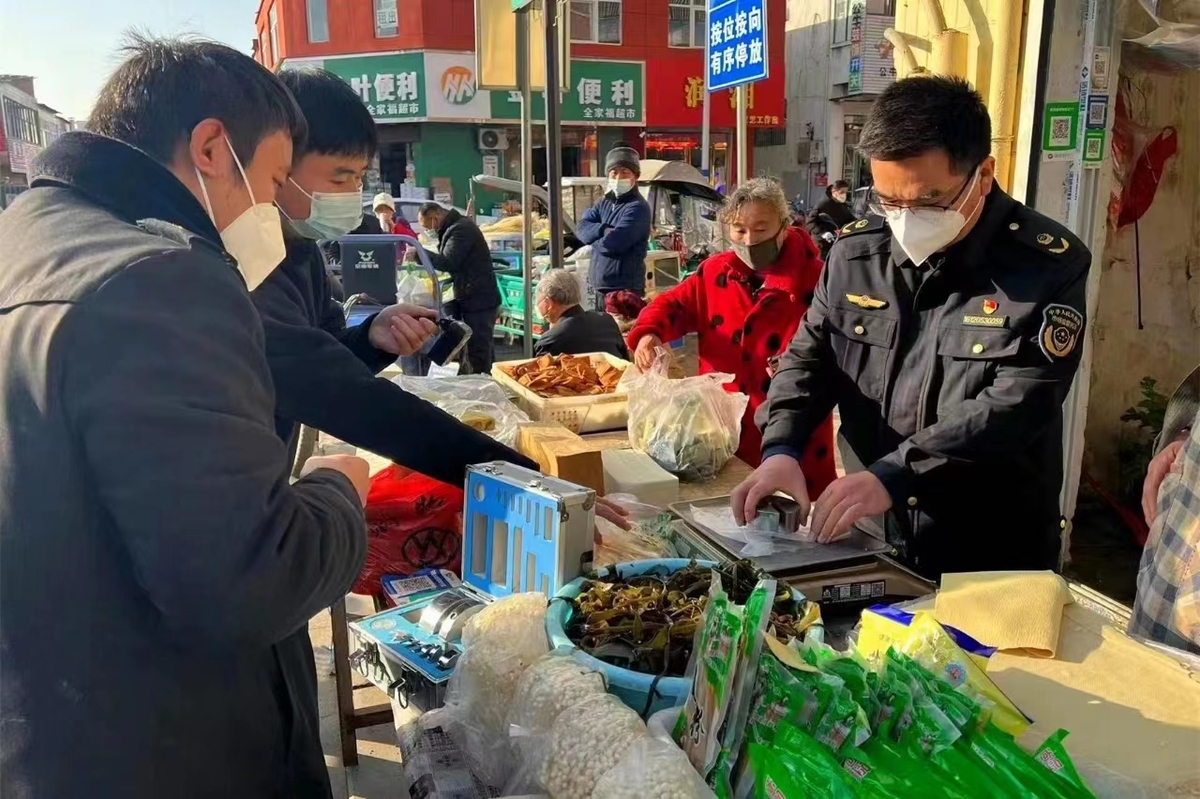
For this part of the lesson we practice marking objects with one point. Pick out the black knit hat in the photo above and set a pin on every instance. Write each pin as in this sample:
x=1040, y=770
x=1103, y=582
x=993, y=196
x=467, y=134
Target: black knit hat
x=623, y=155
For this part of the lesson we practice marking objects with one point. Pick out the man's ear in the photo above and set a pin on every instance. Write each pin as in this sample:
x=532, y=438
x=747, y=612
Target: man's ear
x=987, y=175
x=208, y=149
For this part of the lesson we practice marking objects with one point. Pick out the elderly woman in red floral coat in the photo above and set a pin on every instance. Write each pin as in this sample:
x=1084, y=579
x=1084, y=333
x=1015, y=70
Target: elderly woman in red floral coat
x=745, y=305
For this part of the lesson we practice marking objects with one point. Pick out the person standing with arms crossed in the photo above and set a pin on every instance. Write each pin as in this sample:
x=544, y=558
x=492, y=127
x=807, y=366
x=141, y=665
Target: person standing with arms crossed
x=618, y=229
x=947, y=329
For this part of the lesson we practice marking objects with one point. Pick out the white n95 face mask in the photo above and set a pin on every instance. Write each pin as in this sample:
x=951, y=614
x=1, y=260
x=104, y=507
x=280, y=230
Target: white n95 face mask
x=255, y=238
x=619, y=186
x=923, y=231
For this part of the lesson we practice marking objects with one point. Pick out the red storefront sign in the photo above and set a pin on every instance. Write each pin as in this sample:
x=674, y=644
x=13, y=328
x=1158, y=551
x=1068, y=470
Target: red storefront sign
x=679, y=96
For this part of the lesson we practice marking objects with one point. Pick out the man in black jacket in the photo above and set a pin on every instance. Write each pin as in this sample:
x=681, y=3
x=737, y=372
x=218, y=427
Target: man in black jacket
x=464, y=253
x=573, y=331
x=325, y=372
x=140, y=474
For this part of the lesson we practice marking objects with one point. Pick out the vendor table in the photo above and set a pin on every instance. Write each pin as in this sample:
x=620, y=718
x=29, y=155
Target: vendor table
x=352, y=719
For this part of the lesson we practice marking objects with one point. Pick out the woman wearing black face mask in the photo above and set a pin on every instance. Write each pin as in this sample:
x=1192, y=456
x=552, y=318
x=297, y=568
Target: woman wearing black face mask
x=745, y=304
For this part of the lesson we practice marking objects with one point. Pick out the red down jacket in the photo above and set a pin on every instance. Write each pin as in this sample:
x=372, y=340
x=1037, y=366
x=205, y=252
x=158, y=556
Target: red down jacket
x=739, y=330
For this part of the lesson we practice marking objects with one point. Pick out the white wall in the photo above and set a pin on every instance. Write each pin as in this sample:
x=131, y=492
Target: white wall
x=808, y=107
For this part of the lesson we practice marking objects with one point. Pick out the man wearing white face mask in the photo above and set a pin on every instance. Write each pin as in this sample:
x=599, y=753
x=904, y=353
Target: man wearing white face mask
x=324, y=372
x=947, y=328
x=139, y=463
x=618, y=228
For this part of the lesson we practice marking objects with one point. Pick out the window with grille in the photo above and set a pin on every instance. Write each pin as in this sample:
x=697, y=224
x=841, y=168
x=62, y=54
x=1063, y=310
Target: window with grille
x=596, y=21
x=21, y=123
x=387, y=22
x=770, y=137
x=318, y=20
x=686, y=22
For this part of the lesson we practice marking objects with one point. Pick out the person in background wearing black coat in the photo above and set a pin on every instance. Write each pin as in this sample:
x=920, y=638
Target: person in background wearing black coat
x=573, y=331
x=463, y=252
x=836, y=203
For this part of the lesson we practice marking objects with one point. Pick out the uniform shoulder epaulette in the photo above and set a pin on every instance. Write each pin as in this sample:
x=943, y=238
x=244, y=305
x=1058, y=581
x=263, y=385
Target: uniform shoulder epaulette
x=1044, y=235
x=872, y=224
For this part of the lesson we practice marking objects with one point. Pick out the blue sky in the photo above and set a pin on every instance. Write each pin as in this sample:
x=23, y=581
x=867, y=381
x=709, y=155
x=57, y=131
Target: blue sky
x=69, y=46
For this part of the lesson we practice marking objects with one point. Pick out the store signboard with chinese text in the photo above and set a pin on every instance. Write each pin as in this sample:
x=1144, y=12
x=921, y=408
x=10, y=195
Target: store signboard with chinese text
x=392, y=86
x=451, y=90
x=871, y=67
x=736, y=53
x=679, y=97
x=602, y=93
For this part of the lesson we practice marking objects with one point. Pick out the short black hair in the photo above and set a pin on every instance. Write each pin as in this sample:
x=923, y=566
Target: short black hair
x=837, y=185
x=430, y=208
x=929, y=112
x=165, y=87
x=338, y=120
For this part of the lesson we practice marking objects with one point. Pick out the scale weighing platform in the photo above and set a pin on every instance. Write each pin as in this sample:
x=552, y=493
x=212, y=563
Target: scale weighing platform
x=843, y=577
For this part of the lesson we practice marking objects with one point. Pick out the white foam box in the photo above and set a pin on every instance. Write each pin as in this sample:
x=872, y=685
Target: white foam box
x=630, y=472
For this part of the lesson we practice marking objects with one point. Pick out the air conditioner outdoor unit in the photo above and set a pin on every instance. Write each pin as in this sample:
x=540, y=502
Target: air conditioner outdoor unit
x=492, y=139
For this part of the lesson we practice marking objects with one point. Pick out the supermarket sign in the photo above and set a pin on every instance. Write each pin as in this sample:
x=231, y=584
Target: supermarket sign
x=408, y=87
x=602, y=93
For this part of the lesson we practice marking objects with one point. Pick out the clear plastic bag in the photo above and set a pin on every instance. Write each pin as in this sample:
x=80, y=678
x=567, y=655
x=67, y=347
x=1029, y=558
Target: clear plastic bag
x=547, y=689
x=416, y=289
x=649, y=538
x=475, y=400
x=434, y=765
x=585, y=743
x=499, y=644
x=690, y=427
x=652, y=768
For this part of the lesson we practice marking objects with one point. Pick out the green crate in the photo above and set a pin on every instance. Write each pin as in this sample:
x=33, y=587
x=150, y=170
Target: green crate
x=512, y=297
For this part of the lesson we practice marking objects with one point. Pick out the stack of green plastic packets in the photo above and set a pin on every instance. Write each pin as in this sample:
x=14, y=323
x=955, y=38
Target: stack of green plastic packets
x=824, y=724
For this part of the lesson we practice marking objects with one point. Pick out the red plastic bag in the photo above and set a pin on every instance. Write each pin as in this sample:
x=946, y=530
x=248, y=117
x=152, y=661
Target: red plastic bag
x=413, y=522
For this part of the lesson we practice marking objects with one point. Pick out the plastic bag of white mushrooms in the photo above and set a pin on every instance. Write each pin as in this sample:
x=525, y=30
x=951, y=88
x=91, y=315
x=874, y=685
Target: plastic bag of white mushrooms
x=552, y=686
x=499, y=644
x=651, y=767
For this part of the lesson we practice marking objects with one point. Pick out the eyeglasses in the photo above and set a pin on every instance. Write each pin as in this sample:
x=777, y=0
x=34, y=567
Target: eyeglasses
x=880, y=207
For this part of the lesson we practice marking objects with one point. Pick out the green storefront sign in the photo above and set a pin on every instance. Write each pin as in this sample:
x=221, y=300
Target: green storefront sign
x=392, y=86
x=602, y=92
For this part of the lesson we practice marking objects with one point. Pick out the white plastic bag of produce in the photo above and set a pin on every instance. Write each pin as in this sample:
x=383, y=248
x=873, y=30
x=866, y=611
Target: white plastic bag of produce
x=651, y=767
x=690, y=427
x=585, y=743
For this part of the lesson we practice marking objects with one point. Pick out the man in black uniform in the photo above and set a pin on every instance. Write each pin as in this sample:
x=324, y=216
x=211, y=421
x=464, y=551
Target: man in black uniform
x=947, y=328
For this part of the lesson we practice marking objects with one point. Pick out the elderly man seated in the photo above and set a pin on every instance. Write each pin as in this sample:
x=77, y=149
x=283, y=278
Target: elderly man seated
x=573, y=330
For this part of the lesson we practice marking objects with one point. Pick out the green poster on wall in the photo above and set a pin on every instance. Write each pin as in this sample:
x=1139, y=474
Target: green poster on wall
x=392, y=86
x=1060, y=127
x=602, y=93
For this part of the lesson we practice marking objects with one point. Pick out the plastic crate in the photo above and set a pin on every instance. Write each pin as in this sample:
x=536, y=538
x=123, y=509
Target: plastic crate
x=512, y=297
x=587, y=414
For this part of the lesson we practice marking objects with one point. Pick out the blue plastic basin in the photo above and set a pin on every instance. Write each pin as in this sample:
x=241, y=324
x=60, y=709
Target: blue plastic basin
x=631, y=687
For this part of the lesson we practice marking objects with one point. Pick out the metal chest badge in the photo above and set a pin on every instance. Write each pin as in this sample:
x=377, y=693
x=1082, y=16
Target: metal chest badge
x=1061, y=326
x=990, y=306
x=866, y=301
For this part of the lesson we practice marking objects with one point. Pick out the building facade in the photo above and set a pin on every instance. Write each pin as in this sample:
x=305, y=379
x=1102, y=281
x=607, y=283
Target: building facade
x=838, y=62
x=636, y=75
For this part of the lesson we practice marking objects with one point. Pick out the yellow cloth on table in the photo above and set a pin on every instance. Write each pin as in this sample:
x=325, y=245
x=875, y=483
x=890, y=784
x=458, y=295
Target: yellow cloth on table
x=1008, y=610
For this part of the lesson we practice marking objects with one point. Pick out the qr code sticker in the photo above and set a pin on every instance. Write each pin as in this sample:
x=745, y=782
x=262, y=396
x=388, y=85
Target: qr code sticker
x=1060, y=131
x=1093, y=149
x=1096, y=115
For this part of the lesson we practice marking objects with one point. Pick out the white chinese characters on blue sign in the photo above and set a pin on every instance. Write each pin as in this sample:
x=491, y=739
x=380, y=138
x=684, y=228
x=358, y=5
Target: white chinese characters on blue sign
x=737, y=43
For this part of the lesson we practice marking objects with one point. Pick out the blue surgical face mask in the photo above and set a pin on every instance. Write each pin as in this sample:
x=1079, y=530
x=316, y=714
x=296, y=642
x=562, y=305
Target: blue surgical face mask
x=333, y=214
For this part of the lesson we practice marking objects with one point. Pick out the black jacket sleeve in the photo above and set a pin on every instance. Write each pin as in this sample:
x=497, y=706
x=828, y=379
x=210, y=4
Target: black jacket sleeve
x=173, y=406
x=320, y=382
x=802, y=392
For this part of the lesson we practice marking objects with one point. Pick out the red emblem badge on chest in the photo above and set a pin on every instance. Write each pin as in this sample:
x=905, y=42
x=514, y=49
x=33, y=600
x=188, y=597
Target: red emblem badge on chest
x=990, y=306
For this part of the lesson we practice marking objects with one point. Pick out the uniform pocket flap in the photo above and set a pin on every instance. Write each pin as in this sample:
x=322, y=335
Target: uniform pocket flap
x=976, y=343
x=865, y=327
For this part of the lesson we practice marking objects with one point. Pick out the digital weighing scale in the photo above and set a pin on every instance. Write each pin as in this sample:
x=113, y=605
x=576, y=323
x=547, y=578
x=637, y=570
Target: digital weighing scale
x=844, y=577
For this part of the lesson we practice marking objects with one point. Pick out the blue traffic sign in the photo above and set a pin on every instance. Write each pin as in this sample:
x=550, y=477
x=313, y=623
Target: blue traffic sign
x=737, y=43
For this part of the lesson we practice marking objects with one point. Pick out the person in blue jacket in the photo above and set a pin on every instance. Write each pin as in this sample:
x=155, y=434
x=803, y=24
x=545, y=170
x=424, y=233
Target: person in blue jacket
x=618, y=228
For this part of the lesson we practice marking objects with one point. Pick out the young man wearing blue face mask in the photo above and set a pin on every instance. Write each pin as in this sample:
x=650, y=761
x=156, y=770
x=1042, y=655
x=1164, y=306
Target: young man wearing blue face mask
x=618, y=228
x=947, y=328
x=324, y=372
